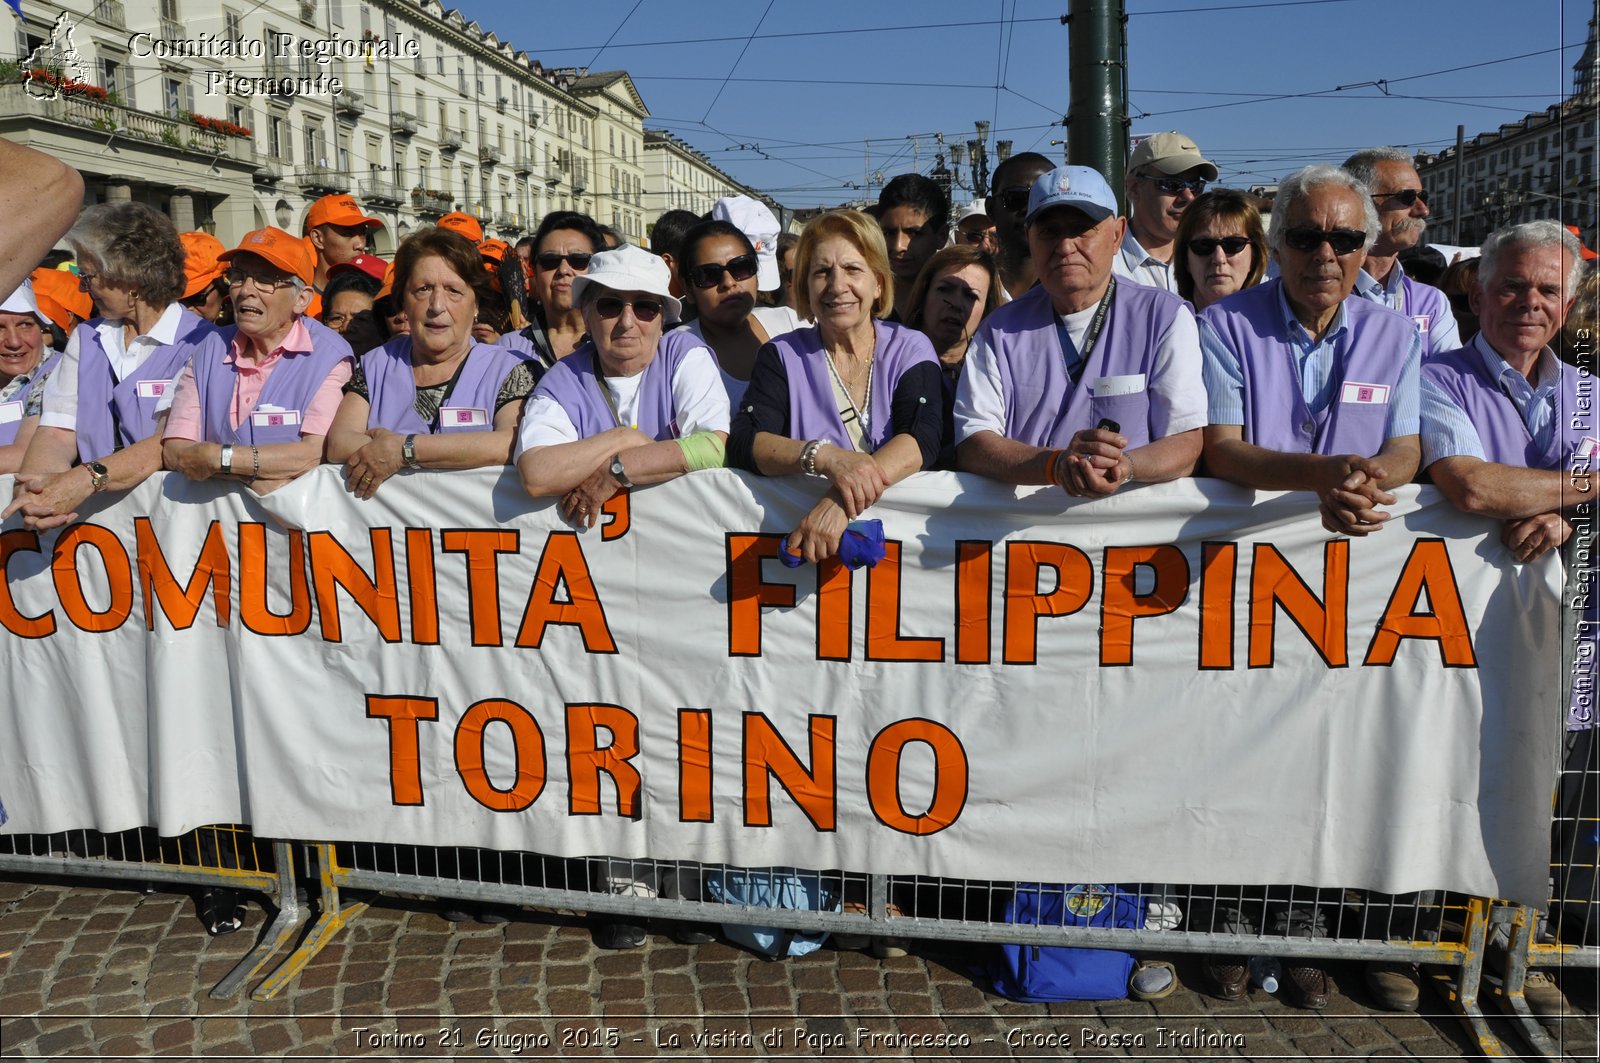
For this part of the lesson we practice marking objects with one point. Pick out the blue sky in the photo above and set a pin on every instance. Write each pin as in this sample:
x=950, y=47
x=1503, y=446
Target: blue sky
x=823, y=95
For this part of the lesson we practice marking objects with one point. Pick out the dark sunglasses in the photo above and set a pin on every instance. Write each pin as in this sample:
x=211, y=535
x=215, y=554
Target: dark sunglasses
x=550, y=260
x=1343, y=241
x=645, y=310
x=709, y=274
x=1407, y=197
x=1205, y=245
x=1014, y=200
x=1171, y=186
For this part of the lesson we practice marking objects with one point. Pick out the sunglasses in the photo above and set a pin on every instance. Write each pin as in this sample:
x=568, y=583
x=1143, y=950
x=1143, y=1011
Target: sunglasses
x=1205, y=245
x=709, y=274
x=1343, y=241
x=1406, y=197
x=550, y=261
x=1171, y=186
x=644, y=310
x=1014, y=200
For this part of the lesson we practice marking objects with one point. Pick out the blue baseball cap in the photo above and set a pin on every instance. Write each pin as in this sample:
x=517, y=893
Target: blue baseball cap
x=1080, y=187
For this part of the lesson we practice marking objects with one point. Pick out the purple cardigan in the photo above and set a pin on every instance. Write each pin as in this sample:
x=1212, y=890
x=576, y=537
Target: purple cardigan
x=572, y=383
x=469, y=406
x=113, y=414
x=291, y=387
x=813, y=408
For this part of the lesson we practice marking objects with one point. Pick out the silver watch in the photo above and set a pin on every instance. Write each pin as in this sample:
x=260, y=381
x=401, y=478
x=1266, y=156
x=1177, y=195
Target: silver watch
x=227, y=459
x=408, y=452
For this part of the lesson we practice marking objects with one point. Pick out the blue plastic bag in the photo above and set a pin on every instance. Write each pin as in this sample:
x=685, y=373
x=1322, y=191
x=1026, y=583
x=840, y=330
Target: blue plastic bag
x=771, y=887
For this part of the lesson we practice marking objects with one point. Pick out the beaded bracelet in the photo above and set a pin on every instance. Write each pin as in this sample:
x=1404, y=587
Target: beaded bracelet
x=808, y=457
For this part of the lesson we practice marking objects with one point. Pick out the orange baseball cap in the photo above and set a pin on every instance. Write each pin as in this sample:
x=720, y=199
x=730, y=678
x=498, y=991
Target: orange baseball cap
x=286, y=252
x=200, y=264
x=494, y=250
x=338, y=210
x=59, y=297
x=388, y=282
x=465, y=224
x=1588, y=255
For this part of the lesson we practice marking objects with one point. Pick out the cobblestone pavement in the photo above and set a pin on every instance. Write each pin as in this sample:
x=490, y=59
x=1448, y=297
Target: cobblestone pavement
x=88, y=971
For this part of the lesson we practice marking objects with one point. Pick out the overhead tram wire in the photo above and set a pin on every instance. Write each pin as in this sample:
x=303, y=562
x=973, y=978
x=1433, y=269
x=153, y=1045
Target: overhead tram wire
x=734, y=68
x=601, y=50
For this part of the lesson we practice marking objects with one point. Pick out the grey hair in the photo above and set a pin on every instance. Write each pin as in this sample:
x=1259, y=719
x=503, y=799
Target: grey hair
x=1364, y=163
x=1302, y=183
x=1532, y=234
x=134, y=245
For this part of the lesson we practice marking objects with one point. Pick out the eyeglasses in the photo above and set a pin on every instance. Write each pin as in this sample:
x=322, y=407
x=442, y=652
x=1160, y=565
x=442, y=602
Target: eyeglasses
x=85, y=279
x=1343, y=241
x=1406, y=197
x=645, y=310
x=237, y=277
x=975, y=236
x=549, y=261
x=1171, y=186
x=1205, y=245
x=1013, y=200
x=709, y=274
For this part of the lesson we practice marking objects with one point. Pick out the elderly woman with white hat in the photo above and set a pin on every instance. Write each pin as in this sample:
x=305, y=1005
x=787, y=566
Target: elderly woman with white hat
x=25, y=362
x=630, y=406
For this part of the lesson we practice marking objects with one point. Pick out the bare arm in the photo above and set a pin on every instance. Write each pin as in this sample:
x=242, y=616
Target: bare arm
x=49, y=499
x=1494, y=490
x=40, y=198
x=557, y=469
x=349, y=432
x=471, y=450
x=12, y=453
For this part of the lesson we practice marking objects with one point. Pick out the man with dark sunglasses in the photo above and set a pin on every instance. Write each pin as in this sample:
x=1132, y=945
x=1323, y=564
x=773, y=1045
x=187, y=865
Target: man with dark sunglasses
x=1008, y=206
x=1402, y=217
x=1165, y=174
x=1311, y=389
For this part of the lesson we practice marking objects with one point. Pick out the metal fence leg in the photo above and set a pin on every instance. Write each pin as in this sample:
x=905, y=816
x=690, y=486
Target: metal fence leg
x=278, y=932
x=1463, y=995
x=335, y=915
x=1523, y=920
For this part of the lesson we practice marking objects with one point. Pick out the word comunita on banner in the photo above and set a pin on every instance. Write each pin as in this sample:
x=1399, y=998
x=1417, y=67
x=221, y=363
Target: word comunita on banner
x=1037, y=581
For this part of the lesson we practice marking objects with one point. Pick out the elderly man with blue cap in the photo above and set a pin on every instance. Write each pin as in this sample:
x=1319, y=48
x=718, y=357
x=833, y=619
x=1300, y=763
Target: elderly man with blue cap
x=1083, y=381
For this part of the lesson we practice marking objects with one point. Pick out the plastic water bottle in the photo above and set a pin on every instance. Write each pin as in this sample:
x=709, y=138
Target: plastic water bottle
x=1264, y=971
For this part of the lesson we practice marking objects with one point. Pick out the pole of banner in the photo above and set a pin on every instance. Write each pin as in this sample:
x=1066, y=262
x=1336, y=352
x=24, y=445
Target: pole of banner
x=335, y=916
x=1097, y=133
x=278, y=932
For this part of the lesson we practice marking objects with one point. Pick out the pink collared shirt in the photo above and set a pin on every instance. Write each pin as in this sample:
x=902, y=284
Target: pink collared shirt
x=184, y=420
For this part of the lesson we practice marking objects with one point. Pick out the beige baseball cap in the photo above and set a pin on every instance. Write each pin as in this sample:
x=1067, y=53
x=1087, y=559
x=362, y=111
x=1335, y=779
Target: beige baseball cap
x=1171, y=153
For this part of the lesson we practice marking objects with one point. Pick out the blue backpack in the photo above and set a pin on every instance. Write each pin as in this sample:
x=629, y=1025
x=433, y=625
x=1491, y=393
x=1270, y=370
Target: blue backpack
x=771, y=887
x=1043, y=974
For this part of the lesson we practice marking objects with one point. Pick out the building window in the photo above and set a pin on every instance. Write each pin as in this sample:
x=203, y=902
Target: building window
x=230, y=25
x=171, y=96
x=111, y=75
x=278, y=138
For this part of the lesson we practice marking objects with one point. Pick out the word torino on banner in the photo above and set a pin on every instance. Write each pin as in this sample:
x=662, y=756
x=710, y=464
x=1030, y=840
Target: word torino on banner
x=1182, y=683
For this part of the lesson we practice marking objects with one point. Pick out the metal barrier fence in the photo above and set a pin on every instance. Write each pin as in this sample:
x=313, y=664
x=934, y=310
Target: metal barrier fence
x=221, y=857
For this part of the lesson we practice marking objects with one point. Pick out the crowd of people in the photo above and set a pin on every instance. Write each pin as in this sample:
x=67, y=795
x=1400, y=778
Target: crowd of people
x=1039, y=337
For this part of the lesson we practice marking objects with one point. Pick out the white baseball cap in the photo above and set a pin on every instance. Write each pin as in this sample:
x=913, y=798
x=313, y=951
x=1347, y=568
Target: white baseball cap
x=629, y=269
x=22, y=301
x=751, y=217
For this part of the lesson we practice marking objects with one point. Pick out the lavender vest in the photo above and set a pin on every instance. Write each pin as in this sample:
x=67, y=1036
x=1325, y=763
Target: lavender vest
x=1506, y=440
x=1044, y=408
x=291, y=386
x=1370, y=353
x=813, y=407
x=10, y=428
x=572, y=383
x=113, y=414
x=392, y=389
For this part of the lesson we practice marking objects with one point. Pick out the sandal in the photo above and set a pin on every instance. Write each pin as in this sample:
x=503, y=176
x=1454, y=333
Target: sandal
x=1154, y=987
x=883, y=947
x=221, y=911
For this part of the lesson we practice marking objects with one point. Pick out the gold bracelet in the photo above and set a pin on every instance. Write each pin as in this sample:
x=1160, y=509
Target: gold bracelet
x=255, y=456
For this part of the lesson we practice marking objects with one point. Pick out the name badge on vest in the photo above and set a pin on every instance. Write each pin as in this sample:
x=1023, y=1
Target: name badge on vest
x=1365, y=394
x=1588, y=446
x=152, y=389
x=1422, y=322
x=12, y=411
x=463, y=417
x=1111, y=386
x=275, y=418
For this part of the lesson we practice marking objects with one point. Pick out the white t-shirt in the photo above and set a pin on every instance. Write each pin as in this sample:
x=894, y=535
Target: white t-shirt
x=1177, y=390
x=698, y=397
x=60, y=407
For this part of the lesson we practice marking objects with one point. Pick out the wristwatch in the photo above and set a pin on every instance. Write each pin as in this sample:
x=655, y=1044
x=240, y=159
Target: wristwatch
x=99, y=476
x=227, y=459
x=620, y=474
x=408, y=452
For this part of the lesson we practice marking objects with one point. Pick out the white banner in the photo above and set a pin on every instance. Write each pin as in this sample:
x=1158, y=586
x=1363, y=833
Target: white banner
x=1182, y=683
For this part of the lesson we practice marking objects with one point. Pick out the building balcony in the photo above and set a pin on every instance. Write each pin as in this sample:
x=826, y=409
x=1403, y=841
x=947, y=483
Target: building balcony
x=324, y=179
x=431, y=204
x=266, y=170
x=100, y=119
x=449, y=142
x=110, y=12
x=488, y=156
x=523, y=166
x=382, y=194
x=350, y=103
x=510, y=221
x=403, y=124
